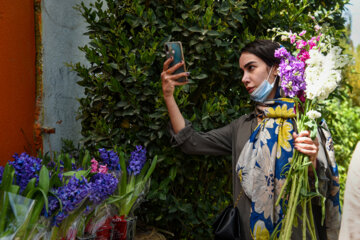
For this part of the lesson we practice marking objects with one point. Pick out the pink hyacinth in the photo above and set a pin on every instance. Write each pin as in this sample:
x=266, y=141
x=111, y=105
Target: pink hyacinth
x=317, y=28
x=103, y=169
x=94, y=165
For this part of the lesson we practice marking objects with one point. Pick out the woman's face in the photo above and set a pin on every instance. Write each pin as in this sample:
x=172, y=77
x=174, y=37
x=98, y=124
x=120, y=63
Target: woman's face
x=255, y=71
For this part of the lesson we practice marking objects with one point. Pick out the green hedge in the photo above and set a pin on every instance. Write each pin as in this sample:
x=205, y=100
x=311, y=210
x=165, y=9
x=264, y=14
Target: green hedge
x=123, y=103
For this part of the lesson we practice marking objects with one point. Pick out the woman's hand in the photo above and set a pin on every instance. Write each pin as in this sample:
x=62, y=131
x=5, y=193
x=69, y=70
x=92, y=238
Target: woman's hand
x=169, y=80
x=304, y=144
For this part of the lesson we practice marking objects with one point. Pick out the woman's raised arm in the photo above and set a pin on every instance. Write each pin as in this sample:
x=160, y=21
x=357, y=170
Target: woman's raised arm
x=169, y=82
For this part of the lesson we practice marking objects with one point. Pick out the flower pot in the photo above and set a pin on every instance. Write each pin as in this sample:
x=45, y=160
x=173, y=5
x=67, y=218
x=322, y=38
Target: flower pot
x=124, y=228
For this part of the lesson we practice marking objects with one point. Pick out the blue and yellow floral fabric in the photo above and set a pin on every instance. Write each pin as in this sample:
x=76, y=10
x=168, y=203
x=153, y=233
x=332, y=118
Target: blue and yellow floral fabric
x=263, y=163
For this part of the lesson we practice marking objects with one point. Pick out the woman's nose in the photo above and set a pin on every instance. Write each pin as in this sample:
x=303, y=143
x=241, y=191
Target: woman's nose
x=245, y=78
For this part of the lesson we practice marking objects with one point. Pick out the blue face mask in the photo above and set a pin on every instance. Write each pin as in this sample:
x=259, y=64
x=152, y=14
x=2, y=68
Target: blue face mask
x=262, y=92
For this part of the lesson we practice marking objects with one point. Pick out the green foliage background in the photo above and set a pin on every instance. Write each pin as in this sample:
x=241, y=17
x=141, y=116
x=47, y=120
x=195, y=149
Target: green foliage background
x=123, y=102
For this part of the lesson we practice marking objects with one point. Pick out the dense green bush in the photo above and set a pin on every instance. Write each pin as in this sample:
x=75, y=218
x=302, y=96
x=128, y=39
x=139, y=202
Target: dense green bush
x=123, y=102
x=344, y=123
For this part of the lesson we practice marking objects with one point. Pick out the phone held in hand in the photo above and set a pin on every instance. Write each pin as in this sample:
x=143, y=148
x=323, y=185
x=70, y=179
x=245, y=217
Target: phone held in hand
x=175, y=50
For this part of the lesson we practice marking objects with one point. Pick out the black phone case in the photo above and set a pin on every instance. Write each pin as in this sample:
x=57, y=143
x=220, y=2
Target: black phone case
x=174, y=49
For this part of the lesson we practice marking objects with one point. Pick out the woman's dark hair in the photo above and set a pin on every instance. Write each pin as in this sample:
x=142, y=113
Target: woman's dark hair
x=263, y=49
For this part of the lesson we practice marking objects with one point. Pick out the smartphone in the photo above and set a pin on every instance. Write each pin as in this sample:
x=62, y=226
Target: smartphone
x=174, y=49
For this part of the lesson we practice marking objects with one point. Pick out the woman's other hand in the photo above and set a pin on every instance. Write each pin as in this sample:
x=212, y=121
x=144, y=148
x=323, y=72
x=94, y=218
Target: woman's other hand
x=169, y=79
x=304, y=144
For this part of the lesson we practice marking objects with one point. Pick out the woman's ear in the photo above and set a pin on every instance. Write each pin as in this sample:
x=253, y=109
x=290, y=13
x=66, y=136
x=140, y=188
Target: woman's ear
x=276, y=70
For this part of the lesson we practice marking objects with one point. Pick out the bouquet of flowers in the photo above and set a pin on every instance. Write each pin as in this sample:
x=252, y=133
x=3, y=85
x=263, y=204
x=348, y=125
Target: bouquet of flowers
x=308, y=75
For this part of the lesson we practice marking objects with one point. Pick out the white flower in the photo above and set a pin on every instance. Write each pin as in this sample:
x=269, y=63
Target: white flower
x=284, y=38
x=312, y=114
x=323, y=74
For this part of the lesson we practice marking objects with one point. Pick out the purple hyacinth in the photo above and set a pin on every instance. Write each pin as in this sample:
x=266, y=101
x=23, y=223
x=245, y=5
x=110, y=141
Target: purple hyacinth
x=59, y=218
x=53, y=205
x=291, y=72
x=1, y=173
x=71, y=195
x=137, y=160
x=110, y=158
x=102, y=186
x=26, y=168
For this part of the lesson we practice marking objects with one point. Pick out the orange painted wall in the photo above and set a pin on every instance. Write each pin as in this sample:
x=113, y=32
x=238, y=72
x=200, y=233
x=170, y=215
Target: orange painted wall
x=17, y=77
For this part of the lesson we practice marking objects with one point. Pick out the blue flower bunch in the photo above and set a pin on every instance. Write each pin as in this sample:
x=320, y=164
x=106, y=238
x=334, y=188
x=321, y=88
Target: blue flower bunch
x=1, y=173
x=103, y=185
x=26, y=168
x=137, y=160
x=110, y=158
x=71, y=195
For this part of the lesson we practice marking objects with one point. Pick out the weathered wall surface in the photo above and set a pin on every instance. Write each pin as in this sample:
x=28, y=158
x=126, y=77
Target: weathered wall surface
x=63, y=29
x=17, y=78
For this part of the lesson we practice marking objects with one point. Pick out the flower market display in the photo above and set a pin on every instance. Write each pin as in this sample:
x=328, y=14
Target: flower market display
x=309, y=75
x=65, y=198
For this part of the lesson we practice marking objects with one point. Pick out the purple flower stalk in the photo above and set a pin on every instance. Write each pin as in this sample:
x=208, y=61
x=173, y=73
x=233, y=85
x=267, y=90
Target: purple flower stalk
x=291, y=72
x=71, y=195
x=110, y=158
x=137, y=160
x=102, y=186
x=26, y=168
x=53, y=205
x=1, y=173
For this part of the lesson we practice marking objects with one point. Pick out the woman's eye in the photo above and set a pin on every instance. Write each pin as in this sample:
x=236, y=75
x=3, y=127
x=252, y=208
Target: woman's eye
x=250, y=68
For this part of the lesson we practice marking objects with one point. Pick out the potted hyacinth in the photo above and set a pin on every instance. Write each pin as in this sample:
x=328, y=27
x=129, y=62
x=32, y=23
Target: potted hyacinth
x=134, y=179
x=308, y=75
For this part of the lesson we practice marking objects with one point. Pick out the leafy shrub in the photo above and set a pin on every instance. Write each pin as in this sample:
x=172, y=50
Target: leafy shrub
x=123, y=101
x=344, y=124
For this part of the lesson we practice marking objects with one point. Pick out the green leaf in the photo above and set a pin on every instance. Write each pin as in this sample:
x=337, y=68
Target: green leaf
x=213, y=33
x=43, y=196
x=114, y=66
x=86, y=160
x=195, y=7
x=7, y=177
x=201, y=76
x=67, y=162
x=176, y=29
x=123, y=181
x=237, y=16
x=78, y=174
x=14, y=189
x=30, y=186
x=172, y=173
x=151, y=169
x=44, y=180
x=195, y=29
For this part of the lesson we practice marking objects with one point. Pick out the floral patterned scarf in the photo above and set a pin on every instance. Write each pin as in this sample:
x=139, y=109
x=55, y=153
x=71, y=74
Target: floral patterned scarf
x=263, y=163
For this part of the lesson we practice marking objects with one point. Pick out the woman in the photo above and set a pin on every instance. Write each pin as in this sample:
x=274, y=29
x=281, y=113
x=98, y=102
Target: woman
x=260, y=79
